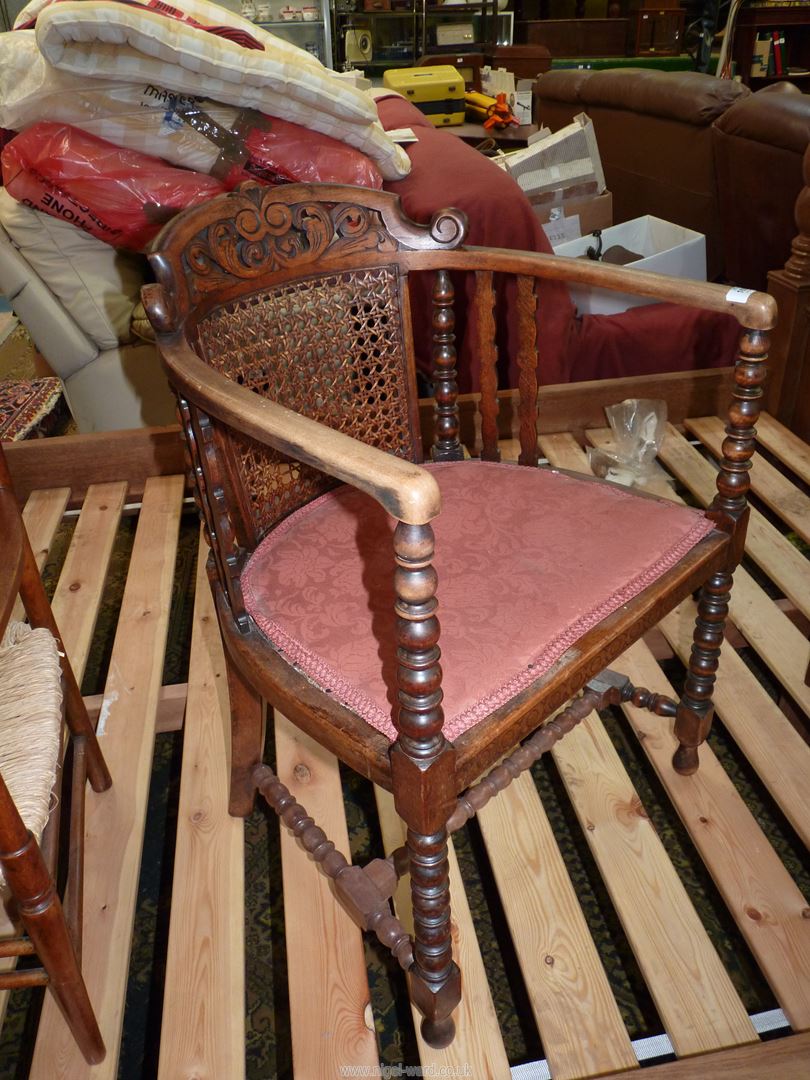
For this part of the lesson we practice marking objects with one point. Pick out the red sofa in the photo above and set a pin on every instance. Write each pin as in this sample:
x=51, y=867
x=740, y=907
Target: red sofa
x=646, y=340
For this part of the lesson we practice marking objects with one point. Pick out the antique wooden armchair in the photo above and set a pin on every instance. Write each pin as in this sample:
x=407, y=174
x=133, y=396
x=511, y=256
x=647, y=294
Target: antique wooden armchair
x=38, y=691
x=284, y=323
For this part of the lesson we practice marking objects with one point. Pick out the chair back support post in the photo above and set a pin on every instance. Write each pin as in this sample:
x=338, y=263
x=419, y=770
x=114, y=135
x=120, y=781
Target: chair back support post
x=527, y=365
x=446, y=446
x=213, y=494
x=488, y=364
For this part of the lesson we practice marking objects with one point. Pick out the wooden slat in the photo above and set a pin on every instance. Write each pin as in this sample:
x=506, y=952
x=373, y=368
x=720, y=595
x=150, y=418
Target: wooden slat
x=76, y=461
x=478, y=1044
x=768, y=629
x=115, y=819
x=41, y=515
x=563, y=451
x=578, y=406
x=778, y=641
x=574, y=1008
x=762, y=731
x=202, y=1037
x=760, y=894
x=775, y=489
x=325, y=963
x=781, y=561
x=782, y=1059
x=80, y=587
x=777, y=752
x=694, y=995
x=755, y=885
x=787, y=446
x=171, y=708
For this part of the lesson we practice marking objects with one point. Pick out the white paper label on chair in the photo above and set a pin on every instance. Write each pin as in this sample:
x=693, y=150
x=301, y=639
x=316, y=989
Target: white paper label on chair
x=738, y=295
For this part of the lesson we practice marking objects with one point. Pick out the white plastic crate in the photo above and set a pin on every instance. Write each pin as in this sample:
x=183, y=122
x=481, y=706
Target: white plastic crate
x=665, y=249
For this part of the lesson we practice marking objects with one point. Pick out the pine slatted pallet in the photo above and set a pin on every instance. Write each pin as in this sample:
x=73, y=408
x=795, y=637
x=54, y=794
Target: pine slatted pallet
x=573, y=1007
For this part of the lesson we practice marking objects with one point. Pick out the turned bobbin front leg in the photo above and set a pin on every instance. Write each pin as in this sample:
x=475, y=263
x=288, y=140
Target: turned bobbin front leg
x=434, y=979
x=694, y=717
x=422, y=773
x=730, y=512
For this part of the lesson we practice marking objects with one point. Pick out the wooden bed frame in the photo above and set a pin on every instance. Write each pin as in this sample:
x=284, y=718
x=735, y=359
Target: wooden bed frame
x=203, y=1019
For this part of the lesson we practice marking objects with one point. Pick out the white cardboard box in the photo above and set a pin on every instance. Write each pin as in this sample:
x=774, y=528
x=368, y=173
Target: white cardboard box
x=666, y=249
x=549, y=161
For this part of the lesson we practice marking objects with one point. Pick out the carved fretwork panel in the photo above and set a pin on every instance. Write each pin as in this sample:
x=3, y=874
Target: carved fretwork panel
x=260, y=232
x=331, y=348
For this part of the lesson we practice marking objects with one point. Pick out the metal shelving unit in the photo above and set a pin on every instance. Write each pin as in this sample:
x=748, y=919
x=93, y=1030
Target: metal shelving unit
x=314, y=35
x=377, y=40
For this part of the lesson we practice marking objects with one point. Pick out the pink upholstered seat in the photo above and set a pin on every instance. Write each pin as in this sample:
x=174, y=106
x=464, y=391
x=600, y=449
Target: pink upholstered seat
x=566, y=552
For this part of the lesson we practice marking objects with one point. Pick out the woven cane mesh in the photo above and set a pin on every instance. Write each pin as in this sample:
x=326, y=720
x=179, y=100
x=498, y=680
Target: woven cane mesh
x=30, y=721
x=330, y=348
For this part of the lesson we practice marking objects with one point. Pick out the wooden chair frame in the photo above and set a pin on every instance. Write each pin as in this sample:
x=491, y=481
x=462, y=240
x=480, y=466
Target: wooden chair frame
x=52, y=925
x=223, y=253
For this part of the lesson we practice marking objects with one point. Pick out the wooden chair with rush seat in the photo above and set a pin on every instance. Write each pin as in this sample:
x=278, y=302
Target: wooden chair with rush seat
x=35, y=679
x=284, y=323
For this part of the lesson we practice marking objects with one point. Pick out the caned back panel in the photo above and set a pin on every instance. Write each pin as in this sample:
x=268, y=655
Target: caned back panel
x=331, y=347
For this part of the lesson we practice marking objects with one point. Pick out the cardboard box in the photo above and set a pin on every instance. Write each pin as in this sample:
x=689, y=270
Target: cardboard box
x=523, y=105
x=665, y=249
x=560, y=160
x=570, y=213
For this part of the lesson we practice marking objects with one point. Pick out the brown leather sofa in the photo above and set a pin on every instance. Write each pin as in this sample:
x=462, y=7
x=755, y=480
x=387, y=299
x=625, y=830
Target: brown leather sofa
x=702, y=152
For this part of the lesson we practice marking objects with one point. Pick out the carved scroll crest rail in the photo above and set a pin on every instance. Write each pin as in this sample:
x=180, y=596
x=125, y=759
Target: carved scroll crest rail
x=265, y=234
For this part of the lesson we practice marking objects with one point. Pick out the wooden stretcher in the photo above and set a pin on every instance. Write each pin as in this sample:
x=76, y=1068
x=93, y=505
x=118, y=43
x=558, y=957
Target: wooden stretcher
x=579, y=1024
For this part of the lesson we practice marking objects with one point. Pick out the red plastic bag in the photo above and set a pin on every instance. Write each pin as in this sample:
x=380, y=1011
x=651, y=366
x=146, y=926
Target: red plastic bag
x=119, y=196
x=279, y=151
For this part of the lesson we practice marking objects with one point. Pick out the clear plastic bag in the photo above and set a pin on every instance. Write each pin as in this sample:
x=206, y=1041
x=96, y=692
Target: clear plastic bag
x=638, y=426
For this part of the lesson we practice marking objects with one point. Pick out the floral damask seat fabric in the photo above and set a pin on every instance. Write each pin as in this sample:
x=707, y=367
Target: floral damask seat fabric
x=566, y=552
x=436, y=626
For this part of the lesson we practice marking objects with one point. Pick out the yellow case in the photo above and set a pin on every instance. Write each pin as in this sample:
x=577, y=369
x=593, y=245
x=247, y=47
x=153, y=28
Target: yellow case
x=437, y=91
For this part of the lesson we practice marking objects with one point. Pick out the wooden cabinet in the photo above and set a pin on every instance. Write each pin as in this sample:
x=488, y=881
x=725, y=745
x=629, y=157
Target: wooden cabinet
x=793, y=23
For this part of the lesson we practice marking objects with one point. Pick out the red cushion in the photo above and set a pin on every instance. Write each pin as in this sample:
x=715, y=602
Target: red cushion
x=528, y=560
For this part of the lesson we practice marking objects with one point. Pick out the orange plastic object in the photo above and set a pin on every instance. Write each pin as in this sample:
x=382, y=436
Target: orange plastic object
x=500, y=115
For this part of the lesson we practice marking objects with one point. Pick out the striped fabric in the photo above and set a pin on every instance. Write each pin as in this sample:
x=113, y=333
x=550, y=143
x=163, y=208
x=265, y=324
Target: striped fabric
x=132, y=43
x=143, y=117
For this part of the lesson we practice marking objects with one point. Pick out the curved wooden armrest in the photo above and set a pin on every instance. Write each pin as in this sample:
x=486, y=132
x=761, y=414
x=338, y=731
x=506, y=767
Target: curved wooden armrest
x=756, y=310
x=407, y=491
